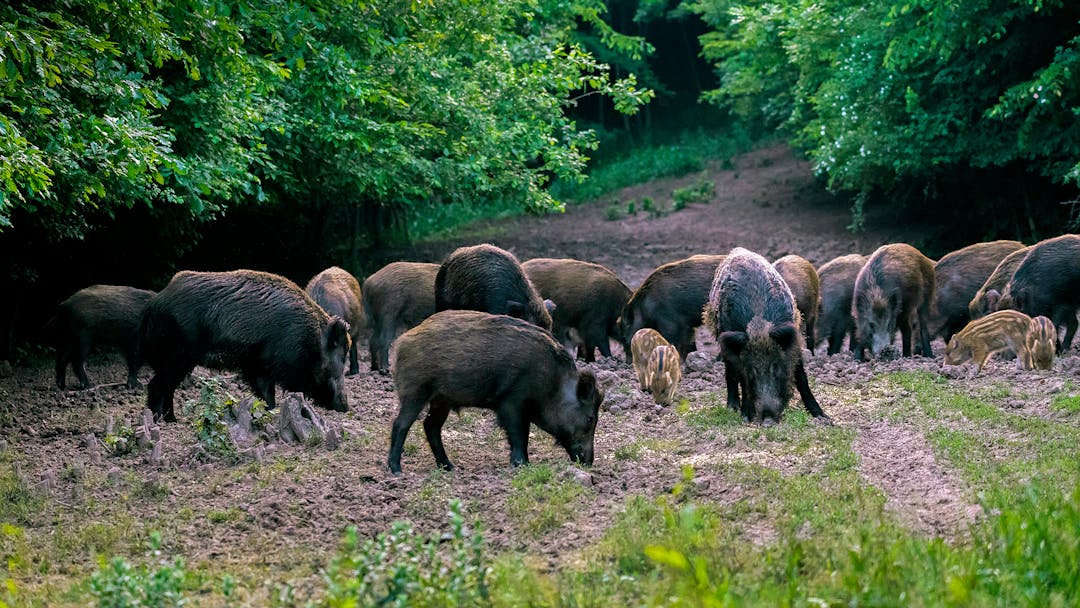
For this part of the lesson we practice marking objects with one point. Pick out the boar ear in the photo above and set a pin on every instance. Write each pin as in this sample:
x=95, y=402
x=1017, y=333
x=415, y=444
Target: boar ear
x=550, y=306
x=515, y=308
x=733, y=341
x=993, y=297
x=784, y=335
x=336, y=334
x=587, y=389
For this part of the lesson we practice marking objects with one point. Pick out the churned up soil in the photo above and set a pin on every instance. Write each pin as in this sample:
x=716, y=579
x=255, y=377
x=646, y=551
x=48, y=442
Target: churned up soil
x=282, y=517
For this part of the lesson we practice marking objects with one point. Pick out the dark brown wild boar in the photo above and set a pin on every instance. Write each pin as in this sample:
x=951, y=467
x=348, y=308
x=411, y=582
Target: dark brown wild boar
x=895, y=290
x=802, y=279
x=338, y=293
x=396, y=299
x=670, y=300
x=837, y=278
x=988, y=297
x=461, y=358
x=958, y=277
x=489, y=279
x=99, y=315
x=259, y=323
x=752, y=313
x=1047, y=283
x=588, y=300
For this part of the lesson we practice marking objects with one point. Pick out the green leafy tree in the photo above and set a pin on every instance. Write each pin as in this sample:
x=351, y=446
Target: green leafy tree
x=922, y=100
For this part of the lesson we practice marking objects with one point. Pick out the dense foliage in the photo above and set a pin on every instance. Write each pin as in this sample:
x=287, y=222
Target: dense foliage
x=134, y=121
x=926, y=99
x=207, y=104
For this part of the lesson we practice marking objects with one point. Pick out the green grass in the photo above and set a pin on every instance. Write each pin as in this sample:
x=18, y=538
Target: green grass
x=687, y=153
x=543, y=499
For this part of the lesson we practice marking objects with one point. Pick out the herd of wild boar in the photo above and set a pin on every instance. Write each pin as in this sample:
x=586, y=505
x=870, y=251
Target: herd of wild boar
x=484, y=330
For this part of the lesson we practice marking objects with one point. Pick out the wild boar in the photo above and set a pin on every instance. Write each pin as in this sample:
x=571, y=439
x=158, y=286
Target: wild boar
x=588, y=300
x=461, y=358
x=1004, y=330
x=489, y=279
x=259, y=323
x=837, y=278
x=99, y=315
x=802, y=279
x=1041, y=342
x=396, y=299
x=895, y=290
x=670, y=300
x=1047, y=283
x=663, y=373
x=643, y=343
x=752, y=314
x=987, y=298
x=338, y=293
x=958, y=277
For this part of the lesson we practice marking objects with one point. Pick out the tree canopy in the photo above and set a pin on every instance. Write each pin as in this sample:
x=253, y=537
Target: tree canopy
x=204, y=104
x=909, y=97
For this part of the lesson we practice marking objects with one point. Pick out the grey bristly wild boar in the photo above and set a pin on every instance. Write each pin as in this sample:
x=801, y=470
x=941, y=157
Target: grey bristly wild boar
x=802, y=279
x=663, y=373
x=396, y=299
x=463, y=358
x=837, y=278
x=895, y=290
x=958, y=277
x=1047, y=283
x=670, y=300
x=99, y=315
x=588, y=300
x=988, y=297
x=643, y=343
x=338, y=293
x=752, y=313
x=259, y=323
x=489, y=279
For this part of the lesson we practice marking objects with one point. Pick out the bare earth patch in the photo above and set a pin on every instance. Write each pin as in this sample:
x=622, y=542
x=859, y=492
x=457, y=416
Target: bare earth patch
x=281, y=519
x=923, y=493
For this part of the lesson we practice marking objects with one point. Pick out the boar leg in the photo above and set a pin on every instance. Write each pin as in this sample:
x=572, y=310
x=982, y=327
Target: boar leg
x=802, y=383
x=604, y=346
x=262, y=386
x=160, y=392
x=810, y=336
x=411, y=406
x=732, y=380
x=134, y=362
x=517, y=432
x=852, y=344
x=836, y=340
x=433, y=423
x=905, y=334
x=78, y=362
x=1065, y=315
x=924, y=332
x=63, y=354
x=354, y=360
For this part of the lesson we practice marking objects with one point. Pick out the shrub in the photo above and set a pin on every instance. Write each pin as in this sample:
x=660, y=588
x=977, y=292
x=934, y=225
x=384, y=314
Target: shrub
x=119, y=584
x=402, y=568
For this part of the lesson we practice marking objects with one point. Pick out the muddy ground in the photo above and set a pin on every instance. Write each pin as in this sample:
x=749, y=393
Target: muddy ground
x=279, y=519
